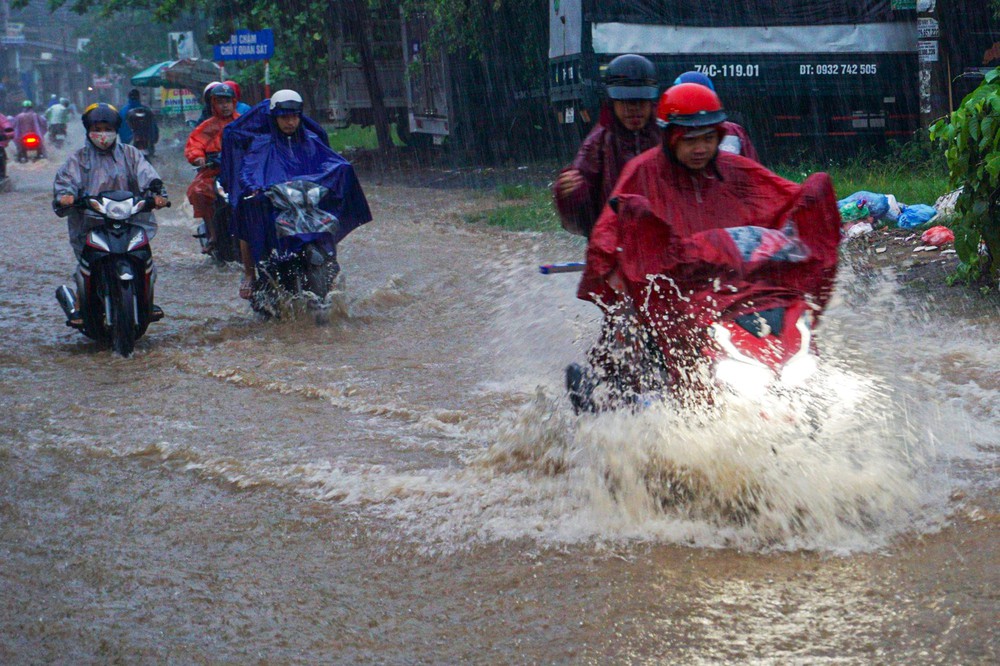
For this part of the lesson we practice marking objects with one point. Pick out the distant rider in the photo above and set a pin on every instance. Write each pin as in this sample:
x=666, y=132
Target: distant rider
x=737, y=139
x=57, y=116
x=134, y=100
x=28, y=122
x=204, y=142
x=145, y=132
x=104, y=163
x=625, y=129
x=289, y=151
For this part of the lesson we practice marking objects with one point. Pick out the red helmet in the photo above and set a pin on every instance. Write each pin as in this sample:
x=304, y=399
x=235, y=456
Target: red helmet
x=689, y=105
x=235, y=86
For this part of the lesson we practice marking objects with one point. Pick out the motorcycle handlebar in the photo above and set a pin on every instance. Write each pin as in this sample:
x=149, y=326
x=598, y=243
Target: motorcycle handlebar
x=82, y=203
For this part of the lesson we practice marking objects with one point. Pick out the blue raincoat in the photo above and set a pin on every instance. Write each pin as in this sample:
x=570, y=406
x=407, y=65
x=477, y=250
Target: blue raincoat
x=256, y=155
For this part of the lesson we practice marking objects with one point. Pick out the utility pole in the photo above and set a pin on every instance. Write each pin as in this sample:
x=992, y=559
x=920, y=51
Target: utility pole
x=932, y=64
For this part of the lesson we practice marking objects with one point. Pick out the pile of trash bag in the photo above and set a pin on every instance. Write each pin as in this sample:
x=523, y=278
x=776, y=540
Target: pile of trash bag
x=862, y=211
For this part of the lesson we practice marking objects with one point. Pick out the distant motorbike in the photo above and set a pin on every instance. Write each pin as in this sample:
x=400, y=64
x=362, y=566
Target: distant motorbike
x=226, y=247
x=116, y=267
x=304, y=265
x=30, y=147
x=57, y=134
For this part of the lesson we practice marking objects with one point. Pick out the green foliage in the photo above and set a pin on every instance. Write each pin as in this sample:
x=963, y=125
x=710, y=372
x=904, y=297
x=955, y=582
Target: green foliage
x=971, y=141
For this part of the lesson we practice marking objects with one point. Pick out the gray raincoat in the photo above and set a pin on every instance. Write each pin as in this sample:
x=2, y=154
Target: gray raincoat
x=90, y=171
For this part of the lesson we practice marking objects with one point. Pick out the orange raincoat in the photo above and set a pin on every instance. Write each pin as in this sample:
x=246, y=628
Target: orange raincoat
x=206, y=138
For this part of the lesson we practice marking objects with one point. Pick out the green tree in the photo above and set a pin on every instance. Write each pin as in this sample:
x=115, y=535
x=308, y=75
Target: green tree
x=971, y=140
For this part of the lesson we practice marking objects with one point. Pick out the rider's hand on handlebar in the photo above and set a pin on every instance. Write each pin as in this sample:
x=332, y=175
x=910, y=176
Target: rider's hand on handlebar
x=199, y=162
x=66, y=200
x=159, y=201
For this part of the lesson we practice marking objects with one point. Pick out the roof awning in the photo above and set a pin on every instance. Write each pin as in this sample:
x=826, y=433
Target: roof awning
x=152, y=77
x=190, y=73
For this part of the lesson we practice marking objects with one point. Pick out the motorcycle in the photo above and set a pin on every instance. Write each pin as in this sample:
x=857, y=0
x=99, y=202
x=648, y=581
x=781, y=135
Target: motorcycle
x=57, y=134
x=226, y=247
x=304, y=265
x=723, y=311
x=30, y=148
x=115, y=272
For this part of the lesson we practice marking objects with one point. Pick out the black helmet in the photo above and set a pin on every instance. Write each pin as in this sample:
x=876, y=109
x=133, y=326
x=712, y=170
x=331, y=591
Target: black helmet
x=134, y=94
x=220, y=90
x=101, y=113
x=631, y=76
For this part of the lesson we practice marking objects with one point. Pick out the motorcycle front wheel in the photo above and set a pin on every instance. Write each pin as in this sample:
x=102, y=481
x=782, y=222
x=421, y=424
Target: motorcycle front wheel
x=123, y=317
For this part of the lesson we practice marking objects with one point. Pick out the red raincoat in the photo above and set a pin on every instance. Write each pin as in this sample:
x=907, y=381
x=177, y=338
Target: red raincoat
x=205, y=138
x=600, y=161
x=668, y=231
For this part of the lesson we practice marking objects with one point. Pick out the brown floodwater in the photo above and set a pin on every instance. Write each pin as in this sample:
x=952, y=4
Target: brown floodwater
x=409, y=485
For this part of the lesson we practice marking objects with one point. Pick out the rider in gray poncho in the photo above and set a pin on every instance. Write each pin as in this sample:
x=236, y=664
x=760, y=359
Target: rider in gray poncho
x=104, y=163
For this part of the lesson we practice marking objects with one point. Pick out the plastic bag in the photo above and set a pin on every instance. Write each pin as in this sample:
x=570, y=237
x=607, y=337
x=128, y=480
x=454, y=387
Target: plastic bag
x=852, y=211
x=895, y=209
x=878, y=204
x=916, y=215
x=937, y=236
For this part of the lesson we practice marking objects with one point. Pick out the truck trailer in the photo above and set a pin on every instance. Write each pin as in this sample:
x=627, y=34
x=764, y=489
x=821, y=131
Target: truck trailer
x=803, y=76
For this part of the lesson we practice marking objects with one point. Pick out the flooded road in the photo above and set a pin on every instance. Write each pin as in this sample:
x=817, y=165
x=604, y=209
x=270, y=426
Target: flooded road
x=409, y=485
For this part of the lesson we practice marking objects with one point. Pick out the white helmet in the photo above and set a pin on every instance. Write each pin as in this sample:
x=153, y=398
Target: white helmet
x=285, y=101
x=204, y=93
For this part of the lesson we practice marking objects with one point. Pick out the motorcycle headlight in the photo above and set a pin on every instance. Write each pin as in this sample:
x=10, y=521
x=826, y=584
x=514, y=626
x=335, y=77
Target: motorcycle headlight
x=746, y=379
x=117, y=210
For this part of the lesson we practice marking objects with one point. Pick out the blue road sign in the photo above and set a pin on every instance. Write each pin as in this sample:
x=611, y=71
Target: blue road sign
x=246, y=45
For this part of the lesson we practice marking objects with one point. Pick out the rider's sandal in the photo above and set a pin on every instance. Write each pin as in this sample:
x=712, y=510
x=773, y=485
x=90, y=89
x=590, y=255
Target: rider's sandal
x=246, y=287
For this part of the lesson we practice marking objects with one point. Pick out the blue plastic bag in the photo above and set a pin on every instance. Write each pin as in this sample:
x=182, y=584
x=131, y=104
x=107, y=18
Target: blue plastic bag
x=915, y=215
x=878, y=204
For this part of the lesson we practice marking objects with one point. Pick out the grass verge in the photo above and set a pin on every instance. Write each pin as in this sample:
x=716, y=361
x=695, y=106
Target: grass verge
x=355, y=137
x=520, y=208
x=911, y=178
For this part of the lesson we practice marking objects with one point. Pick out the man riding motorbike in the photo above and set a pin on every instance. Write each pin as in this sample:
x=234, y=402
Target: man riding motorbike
x=283, y=150
x=57, y=116
x=28, y=122
x=624, y=130
x=204, y=143
x=661, y=217
x=103, y=164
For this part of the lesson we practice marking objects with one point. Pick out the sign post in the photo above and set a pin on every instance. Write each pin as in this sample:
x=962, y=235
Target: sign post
x=248, y=45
